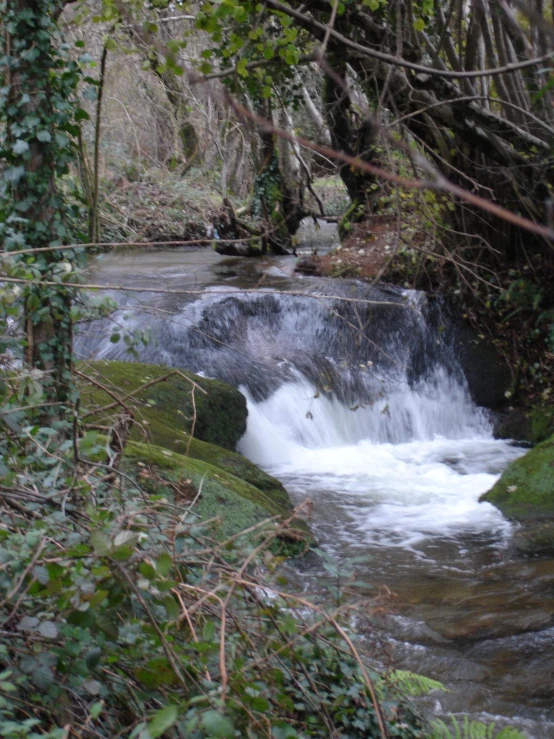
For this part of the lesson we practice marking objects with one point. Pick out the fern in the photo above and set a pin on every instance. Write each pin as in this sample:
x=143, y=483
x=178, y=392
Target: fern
x=410, y=683
x=471, y=730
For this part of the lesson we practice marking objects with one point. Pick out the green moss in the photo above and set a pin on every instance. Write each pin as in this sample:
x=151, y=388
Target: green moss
x=526, y=489
x=164, y=412
x=164, y=424
x=238, y=504
x=542, y=423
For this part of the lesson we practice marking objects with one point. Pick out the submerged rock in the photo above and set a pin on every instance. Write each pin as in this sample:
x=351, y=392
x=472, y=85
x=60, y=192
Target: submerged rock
x=525, y=493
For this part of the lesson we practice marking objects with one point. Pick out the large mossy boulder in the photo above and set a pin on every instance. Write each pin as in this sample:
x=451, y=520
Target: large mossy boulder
x=167, y=409
x=525, y=493
x=236, y=504
x=161, y=417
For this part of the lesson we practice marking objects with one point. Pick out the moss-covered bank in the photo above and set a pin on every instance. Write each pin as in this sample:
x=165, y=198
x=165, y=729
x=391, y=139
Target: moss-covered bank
x=525, y=493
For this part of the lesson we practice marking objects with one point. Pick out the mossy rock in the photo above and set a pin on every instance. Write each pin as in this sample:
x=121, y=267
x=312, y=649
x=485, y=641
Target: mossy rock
x=525, y=492
x=165, y=410
x=238, y=504
x=164, y=425
x=542, y=423
x=522, y=423
x=536, y=538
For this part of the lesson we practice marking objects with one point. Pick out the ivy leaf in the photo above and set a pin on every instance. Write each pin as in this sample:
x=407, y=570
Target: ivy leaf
x=419, y=24
x=162, y=720
x=217, y=725
x=14, y=174
x=90, y=93
x=101, y=543
x=48, y=630
x=28, y=623
x=20, y=147
x=164, y=564
x=44, y=135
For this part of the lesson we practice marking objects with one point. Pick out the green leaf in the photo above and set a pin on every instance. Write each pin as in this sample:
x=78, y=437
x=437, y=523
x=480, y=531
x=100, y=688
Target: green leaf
x=217, y=725
x=208, y=632
x=419, y=24
x=241, y=68
x=93, y=687
x=101, y=543
x=44, y=135
x=14, y=174
x=172, y=607
x=96, y=709
x=164, y=564
x=48, y=630
x=162, y=720
x=156, y=672
x=20, y=147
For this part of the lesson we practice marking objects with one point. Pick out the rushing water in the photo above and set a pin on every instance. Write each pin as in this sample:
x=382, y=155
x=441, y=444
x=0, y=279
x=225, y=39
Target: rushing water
x=357, y=401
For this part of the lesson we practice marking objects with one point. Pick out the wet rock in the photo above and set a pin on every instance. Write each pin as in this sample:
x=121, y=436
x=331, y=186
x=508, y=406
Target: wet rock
x=166, y=411
x=474, y=624
x=525, y=424
x=525, y=493
x=535, y=538
x=488, y=374
x=514, y=423
x=309, y=266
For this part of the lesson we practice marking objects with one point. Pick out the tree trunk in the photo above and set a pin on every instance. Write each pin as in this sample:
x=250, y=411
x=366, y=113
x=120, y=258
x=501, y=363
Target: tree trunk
x=352, y=134
x=278, y=193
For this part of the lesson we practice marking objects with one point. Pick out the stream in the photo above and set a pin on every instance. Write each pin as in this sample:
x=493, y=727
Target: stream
x=358, y=402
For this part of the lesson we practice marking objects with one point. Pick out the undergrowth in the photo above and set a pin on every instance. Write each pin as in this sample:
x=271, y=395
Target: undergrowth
x=123, y=615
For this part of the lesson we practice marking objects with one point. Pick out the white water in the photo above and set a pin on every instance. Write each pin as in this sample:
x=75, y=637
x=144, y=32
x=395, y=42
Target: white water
x=408, y=468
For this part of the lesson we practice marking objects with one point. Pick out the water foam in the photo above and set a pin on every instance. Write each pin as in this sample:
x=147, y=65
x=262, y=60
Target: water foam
x=410, y=466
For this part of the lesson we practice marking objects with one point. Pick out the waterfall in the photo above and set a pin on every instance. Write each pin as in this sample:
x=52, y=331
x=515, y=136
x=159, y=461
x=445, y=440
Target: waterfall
x=357, y=392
